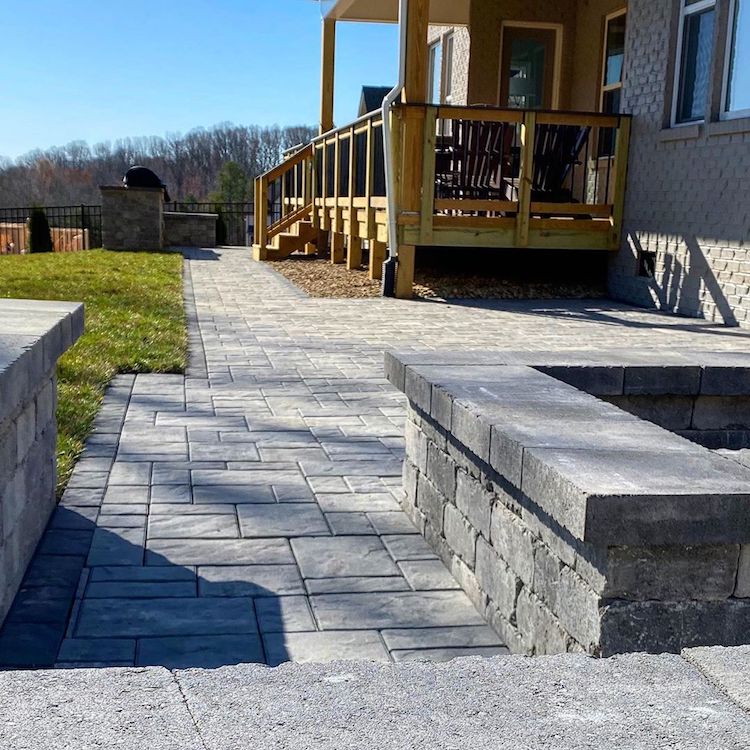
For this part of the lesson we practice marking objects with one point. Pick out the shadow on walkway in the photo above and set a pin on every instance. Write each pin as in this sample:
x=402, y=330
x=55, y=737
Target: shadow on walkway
x=138, y=609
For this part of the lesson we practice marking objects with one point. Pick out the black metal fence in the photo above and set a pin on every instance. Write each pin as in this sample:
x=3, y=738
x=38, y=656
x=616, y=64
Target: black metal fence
x=72, y=228
x=235, y=225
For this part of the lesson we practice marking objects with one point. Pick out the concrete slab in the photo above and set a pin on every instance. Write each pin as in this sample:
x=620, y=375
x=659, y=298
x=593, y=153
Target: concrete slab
x=636, y=702
x=136, y=709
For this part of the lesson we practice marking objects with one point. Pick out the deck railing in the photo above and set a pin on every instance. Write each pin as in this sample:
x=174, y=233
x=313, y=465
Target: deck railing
x=464, y=176
x=513, y=178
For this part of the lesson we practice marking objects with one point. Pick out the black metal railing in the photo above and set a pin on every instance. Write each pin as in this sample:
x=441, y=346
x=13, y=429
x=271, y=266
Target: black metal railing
x=235, y=224
x=71, y=227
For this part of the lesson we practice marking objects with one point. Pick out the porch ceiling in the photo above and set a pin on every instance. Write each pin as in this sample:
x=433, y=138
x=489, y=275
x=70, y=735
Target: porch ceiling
x=442, y=12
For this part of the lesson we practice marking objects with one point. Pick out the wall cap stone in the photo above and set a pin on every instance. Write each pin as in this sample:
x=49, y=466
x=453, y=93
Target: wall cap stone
x=605, y=476
x=33, y=335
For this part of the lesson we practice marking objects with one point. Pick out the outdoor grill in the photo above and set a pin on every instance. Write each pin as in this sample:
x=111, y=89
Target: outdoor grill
x=143, y=177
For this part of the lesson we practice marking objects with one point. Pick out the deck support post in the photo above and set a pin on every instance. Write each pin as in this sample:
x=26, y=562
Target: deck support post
x=378, y=251
x=354, y=253
x=405, y=272
x=337, y=248
x=327, y=72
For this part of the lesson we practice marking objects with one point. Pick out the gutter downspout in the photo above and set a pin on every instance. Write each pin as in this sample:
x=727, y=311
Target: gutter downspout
x=389, y=267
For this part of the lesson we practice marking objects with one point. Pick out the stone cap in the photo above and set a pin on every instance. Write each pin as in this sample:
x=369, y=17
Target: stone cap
x=602, y=475
x=33, y=335
x=190, y=214
x=607, y=372
x=129, y=189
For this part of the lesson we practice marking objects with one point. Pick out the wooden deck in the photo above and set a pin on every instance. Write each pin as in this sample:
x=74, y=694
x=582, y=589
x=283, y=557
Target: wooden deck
x=465, y=177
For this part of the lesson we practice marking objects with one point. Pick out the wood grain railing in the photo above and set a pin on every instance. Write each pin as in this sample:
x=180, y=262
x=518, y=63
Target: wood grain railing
x=464, y=176
x=283, y=196
x=513, y=178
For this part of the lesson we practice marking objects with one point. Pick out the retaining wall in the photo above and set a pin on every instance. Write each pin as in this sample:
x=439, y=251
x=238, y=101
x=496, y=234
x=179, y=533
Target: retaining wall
x=572, y=524
x=32, y=337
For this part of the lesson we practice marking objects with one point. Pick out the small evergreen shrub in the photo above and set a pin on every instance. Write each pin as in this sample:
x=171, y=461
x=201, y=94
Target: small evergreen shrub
x=221, y=228
x=40, y=236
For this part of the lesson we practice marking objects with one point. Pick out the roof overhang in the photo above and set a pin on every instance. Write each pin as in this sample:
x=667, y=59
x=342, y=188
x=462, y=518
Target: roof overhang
x=442, y=12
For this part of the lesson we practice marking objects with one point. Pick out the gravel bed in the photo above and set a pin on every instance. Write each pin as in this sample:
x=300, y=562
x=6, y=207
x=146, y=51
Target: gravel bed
x=320, y=278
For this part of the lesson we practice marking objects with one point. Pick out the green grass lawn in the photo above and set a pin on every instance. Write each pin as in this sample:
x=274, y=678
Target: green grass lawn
x=135, y=323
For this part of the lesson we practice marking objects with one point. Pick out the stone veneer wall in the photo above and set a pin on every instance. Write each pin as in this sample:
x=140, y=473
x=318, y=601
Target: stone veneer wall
x=132, y=218
x=189, y=229
x=28, y=429
x=687, y=188
x=572, y=525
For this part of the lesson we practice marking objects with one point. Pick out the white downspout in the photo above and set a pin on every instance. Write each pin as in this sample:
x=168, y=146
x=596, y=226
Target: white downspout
x=388, y=102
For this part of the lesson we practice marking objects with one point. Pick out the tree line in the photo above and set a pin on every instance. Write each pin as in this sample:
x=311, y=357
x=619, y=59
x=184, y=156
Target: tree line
x=204, y=164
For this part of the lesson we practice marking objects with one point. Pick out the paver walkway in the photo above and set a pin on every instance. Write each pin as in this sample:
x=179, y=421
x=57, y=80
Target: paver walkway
x=249, y=511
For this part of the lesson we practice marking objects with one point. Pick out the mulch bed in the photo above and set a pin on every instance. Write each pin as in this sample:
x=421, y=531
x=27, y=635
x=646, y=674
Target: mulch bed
x=319, y=278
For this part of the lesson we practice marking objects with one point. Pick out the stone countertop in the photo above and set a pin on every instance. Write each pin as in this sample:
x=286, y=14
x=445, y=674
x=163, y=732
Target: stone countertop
x=606, y=476
x=638, y=702
x=33, y=335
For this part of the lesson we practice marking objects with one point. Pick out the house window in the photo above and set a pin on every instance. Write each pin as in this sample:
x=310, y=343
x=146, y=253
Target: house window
x=447, y=84
x=435, y=73
x=697, y=19
x=614, y=59
x=737, y=79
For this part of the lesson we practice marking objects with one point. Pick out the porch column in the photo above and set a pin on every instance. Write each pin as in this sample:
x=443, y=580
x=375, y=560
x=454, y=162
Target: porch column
x=327, y=72
x=417, y=25
x=412, y=133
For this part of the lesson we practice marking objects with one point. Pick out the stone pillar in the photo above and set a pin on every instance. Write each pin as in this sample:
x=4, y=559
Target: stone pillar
x=132, y=218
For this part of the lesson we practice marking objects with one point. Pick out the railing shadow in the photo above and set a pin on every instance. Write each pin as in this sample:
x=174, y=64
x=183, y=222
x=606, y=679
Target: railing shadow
x=132, y=606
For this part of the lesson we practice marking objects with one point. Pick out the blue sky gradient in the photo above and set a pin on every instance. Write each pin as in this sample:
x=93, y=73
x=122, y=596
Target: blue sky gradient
x=99, y=70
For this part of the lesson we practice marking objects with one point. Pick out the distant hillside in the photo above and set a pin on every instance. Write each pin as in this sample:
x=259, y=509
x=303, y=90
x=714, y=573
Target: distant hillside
x=189, y=164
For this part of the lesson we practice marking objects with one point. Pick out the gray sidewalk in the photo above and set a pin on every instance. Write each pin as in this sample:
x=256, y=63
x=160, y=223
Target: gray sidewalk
x=634, y=702
x=249, y=511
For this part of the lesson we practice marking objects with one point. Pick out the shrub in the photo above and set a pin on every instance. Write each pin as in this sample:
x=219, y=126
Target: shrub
x=221, y=228
x=40, y=236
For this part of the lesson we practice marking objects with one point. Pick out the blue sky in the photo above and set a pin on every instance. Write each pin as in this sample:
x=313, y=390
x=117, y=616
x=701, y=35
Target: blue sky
x=99, y=70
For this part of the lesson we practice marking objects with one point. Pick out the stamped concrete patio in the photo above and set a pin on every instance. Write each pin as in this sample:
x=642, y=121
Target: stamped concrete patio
x=248, y=512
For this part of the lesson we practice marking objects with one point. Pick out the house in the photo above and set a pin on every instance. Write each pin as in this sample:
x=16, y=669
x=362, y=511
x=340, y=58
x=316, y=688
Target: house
x=613, y=126
x=372, y=98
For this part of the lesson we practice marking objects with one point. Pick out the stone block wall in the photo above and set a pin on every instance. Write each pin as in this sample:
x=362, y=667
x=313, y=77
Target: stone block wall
x=572, y=525
x=32, y=337
x=189, y=229
x=132, y=218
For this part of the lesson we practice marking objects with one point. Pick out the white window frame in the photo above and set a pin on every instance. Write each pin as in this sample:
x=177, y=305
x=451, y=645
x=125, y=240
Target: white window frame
x=685, y=11
x=724, y=113
x=446, y=78
x=433, y=71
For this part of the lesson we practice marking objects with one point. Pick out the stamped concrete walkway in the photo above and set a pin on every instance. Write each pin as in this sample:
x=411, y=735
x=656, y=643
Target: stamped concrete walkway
x=249, y=511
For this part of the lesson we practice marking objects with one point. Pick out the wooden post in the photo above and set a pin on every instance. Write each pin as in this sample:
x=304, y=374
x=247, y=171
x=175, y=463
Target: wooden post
x=621, y=178
x=354, y=253
x=353, y=226
x=405, y=272
x=337, y=248
x=417, y=23
x=327, y=72
x=261, y=213
x=377, y=258
x=369, y=179
x=526, y=179
x=428, y=176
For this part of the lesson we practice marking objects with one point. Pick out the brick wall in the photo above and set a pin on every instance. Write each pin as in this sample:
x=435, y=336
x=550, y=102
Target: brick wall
x=461, y=52
x=687, y=190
